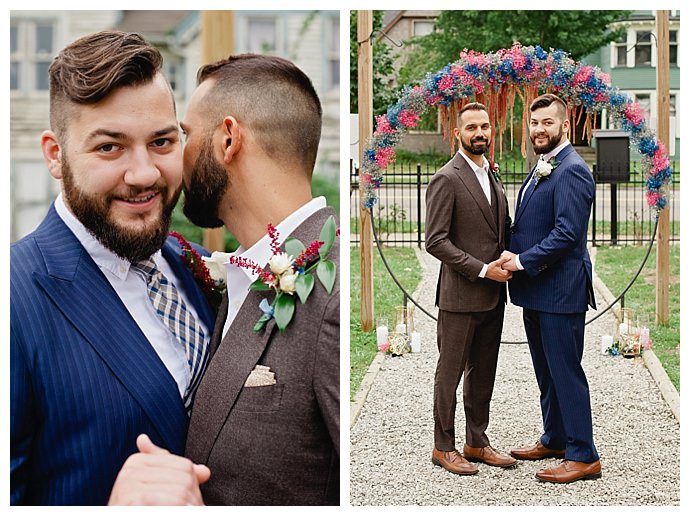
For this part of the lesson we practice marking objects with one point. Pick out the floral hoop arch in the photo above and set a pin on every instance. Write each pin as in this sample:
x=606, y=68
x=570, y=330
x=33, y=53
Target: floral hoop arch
x=495, y=79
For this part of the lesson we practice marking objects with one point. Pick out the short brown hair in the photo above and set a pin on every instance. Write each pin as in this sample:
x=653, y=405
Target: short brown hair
x=93, y=66
x=472, y=106
x=274, y=98
x=546, y=100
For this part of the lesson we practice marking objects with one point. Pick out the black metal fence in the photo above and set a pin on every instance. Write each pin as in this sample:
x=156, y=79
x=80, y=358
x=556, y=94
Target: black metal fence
x=620, y=215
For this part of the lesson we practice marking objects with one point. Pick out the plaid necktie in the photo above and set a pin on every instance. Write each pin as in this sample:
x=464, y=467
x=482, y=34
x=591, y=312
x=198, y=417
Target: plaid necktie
x=171, y=309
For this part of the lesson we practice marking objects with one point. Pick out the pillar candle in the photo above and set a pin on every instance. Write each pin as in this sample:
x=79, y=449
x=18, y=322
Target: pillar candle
x=416, y=343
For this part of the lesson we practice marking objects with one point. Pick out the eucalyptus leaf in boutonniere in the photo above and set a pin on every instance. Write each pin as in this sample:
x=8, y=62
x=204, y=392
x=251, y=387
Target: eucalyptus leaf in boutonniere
x=292, y=277
x=544, y=168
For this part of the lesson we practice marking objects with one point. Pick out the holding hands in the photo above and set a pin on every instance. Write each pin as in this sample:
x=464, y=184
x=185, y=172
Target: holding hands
x=508, y=262
x=154, y=476
x=497, y=270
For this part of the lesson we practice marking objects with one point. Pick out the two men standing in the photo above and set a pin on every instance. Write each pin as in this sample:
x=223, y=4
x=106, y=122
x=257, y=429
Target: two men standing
x=550, y=277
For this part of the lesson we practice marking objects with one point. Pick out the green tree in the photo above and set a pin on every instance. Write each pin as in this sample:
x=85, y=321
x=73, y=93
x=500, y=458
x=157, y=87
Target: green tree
x=577, y=32
x=382, y=64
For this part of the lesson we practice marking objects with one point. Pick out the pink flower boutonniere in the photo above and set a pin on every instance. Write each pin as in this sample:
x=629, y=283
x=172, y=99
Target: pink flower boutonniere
x=288, y=276
x=213, y=288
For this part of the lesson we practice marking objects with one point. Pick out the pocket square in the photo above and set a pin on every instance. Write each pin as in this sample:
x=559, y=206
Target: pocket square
x=260, y=376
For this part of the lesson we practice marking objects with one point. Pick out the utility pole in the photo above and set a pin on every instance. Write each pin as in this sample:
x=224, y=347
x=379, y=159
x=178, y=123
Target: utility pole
x=217, y=42
x=663, y=100
x=365, y=109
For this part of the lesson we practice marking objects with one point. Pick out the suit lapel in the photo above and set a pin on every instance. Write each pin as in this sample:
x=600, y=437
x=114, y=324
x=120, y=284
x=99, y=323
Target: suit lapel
x=188, y=284
x=74, y=283
x=234, y=359
x=501, y=206
x=235, y=356
x=469, y=179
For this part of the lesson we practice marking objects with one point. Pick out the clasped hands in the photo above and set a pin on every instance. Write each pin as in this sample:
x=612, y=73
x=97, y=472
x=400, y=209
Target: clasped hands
x=502, y=268
x=154, y=476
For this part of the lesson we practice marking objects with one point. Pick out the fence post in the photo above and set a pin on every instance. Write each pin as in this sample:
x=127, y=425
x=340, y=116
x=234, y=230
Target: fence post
x=594, y=208
x=419, y=205
x=614, y=213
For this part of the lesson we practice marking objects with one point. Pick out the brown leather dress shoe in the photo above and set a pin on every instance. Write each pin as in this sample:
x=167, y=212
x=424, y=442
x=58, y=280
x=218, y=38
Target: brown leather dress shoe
x=570, y=471
x=452, y=461
x=489, y=456
x=537, y=452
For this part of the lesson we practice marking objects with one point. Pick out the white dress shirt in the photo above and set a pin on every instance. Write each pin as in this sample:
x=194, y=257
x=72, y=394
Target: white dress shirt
x=132, y=290
x=482, y=174
x=239, y=279
x=545, y=157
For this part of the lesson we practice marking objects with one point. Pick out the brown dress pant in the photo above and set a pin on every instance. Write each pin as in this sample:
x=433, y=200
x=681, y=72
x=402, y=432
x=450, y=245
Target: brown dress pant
x=468, y=343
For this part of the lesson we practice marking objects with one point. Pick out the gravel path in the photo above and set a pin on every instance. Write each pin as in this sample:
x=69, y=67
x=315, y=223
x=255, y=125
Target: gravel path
x=637, y=436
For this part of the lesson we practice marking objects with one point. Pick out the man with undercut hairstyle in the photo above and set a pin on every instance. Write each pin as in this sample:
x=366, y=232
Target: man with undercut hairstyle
x=266, y=415
x=552, y=282
x=94, y=360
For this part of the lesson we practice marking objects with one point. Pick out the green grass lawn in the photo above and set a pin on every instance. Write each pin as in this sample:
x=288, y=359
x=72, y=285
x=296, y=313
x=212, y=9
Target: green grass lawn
x=387, y=296
x=616, y=266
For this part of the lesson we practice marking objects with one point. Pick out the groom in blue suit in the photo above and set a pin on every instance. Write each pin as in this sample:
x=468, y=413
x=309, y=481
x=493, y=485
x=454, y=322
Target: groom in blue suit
x=552, y=281
x=93, y=363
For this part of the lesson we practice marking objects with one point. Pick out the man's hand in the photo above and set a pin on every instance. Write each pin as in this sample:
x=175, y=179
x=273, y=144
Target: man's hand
x=154, y=476
x=509, y=263
x=496, y=272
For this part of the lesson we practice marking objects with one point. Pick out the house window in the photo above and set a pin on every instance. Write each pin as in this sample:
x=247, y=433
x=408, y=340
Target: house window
x=643, y=49
x=334, y=53
x=32, y=44
x=673, y=47
x=422, y=27
x=262, y=36
x=620, y=51
x=673, y=113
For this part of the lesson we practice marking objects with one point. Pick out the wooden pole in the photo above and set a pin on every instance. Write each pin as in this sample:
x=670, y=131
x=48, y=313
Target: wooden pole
x=217, y=42
x=663, y=99
x=365, y=110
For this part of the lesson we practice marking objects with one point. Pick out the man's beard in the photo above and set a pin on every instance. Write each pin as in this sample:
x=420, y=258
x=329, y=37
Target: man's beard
x=478, y=150
x=550, y=145
x=94, y=212
x=208, y=183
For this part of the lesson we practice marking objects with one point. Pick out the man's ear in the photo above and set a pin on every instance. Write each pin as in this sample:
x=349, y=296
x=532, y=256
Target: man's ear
x=456, y=133
x=52, y=153
x=232, y=138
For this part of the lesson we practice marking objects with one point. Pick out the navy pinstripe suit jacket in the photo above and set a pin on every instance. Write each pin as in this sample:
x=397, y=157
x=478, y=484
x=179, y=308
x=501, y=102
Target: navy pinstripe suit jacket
x=550, y=235
x=84, y=379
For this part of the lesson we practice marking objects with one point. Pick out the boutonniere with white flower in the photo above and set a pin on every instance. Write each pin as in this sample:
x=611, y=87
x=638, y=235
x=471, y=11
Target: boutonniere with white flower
x=544, y=169
x=291, y=277
x=495, y=171
x=208, y=272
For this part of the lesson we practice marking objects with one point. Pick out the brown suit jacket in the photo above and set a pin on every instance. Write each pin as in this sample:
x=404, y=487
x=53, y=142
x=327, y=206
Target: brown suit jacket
x=463, y=232
x=275, y=444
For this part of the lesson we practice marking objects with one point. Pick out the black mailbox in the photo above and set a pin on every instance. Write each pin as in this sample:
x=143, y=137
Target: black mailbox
x=613, y=156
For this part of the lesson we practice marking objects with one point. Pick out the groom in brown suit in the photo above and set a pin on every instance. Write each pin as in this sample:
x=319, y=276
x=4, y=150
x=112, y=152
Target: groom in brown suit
x=466, y=226
x=265, y=419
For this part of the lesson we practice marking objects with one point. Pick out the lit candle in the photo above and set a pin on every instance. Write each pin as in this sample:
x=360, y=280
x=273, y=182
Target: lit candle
x=416, y=343
x=401, y=328
x=381, y=335
x=606, y=343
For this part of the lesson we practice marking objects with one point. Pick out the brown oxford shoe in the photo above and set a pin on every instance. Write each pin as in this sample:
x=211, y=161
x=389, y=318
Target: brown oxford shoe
x=537, y=452
x=570, y=471
x=489, y=456
x=454, y=462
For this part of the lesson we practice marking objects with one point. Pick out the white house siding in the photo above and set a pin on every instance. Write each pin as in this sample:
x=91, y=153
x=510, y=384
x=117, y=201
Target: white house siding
x=32, y=189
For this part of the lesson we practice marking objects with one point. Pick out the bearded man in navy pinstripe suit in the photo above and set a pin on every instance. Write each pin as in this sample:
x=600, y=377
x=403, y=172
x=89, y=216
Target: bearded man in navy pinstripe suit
x=92, y=364
x=552, y=281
